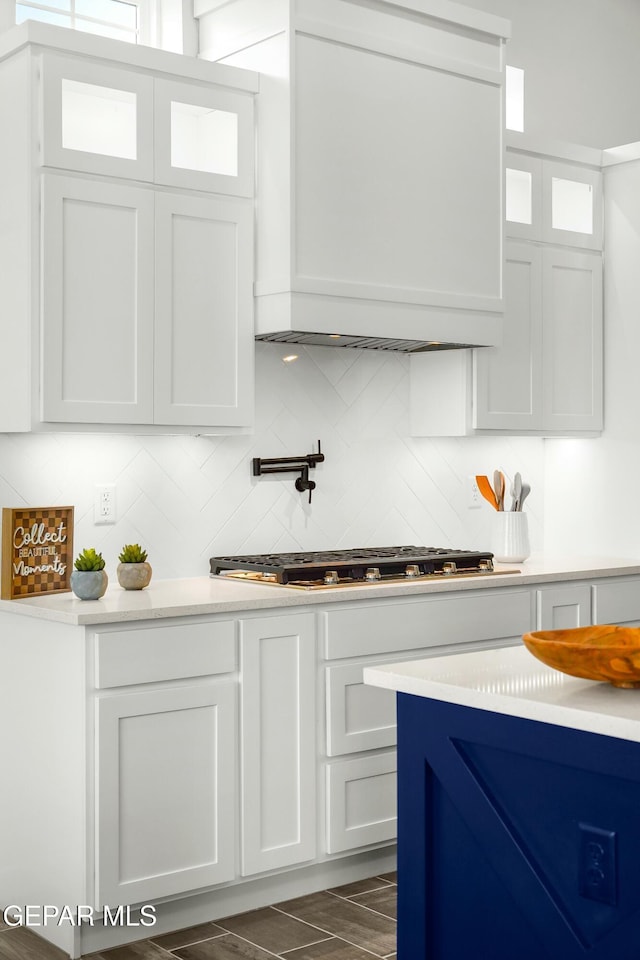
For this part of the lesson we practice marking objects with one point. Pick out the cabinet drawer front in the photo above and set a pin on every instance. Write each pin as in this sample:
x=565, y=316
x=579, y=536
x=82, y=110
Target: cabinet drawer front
x=433, y=622
x=154, y=653
x=561, y=608
x=361, y=802
x=359, y=717
x=617, y=602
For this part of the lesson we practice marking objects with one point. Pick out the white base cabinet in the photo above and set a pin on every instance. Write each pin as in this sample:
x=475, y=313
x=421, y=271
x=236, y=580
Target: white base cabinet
x=188, y=756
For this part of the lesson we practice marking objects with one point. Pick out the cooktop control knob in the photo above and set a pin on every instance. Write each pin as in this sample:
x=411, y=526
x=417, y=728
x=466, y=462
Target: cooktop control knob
x=412, y=570
x=449, y=568
x=331, y=576
x=372, y=573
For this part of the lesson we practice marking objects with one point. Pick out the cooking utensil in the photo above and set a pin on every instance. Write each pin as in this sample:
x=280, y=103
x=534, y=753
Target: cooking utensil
x=499, y=488
x=486, y=490
x=516, y=491
x=526, y=490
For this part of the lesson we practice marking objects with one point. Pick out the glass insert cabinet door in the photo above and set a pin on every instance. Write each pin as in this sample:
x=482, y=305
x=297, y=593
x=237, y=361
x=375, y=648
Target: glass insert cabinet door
x=523, y=196
x=572, y=204
x=96, y=118
x=553, y=201
x=203, y=138
x=123, y=123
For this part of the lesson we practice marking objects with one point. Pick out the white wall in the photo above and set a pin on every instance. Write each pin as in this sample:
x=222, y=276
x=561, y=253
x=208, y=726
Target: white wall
x=591, y=502
x=581, y=63
x=189, y=498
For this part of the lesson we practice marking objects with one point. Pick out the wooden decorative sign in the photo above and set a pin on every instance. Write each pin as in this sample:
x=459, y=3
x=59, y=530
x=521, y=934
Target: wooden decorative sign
x=37, y=551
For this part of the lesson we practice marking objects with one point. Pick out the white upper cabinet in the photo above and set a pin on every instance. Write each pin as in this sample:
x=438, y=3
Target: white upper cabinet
x=546, y=376
x=554, y=199
x=123, y=123
x=170, y=341
x=127, y=198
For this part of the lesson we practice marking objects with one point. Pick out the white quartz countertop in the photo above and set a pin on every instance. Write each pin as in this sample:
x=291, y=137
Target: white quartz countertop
x=511, y=681
x=206, y=595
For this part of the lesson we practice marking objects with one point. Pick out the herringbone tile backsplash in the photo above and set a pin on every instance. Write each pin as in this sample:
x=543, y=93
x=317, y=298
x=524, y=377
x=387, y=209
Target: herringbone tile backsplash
x=188, y=498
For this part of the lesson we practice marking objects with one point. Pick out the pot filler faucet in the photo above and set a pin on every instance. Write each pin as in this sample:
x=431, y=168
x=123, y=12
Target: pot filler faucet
x=302, y=465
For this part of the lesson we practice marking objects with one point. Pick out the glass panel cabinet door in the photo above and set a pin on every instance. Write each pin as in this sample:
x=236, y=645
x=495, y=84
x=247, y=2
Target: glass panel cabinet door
x=572, y=200
x=96, y=119
x=523, y=196
x=203, y=138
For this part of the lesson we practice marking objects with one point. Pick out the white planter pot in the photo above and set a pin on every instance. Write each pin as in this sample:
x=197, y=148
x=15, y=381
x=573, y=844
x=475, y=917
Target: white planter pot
x=134, y=576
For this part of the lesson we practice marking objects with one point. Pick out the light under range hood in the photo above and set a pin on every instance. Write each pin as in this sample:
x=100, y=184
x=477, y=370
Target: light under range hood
x=379, y=186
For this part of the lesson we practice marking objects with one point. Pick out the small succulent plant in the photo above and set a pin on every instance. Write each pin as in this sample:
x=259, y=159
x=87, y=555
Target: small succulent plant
x=132, y=553
x=89, y=560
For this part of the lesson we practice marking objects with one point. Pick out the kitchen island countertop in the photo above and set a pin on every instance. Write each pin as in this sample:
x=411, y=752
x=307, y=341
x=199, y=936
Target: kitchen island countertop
x=514, y=683
x=212, y=595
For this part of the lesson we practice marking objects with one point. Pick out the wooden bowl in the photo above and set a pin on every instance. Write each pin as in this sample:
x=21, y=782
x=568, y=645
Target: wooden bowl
x=604, y=653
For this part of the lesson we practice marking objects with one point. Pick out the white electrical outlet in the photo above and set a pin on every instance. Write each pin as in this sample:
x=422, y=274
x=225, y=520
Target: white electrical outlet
x=104, y=504
x=474, y=497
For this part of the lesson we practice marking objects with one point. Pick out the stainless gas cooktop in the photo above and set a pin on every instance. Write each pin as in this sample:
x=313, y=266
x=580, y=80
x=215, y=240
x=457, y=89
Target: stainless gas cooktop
x=316, y=570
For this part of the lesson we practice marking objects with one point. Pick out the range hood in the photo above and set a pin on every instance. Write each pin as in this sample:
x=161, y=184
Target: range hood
x=323, y=320
x=379, y=183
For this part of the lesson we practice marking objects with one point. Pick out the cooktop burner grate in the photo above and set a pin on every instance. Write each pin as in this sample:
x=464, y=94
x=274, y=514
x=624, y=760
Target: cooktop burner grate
x=315, y=569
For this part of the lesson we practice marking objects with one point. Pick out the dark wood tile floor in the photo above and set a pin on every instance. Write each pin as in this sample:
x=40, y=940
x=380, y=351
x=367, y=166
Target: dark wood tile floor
x=353, y=922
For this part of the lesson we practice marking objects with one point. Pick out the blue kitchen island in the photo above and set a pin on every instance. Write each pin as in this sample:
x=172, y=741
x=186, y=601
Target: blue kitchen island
x=518, y=810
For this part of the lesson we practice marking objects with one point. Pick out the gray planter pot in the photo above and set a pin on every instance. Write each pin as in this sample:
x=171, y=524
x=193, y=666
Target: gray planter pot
x=134, y=576
x=89, y=584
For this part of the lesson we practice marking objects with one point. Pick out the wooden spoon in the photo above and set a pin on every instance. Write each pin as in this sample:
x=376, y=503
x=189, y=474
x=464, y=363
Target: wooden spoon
x=499, y=488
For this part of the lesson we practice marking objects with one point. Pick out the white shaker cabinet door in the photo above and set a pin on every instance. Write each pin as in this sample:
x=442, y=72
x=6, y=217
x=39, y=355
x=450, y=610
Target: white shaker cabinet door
x=572, y=381
x=97, y=301
x=507, y=378
x=204, y=311
x=165, y=792
x=278, y=742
